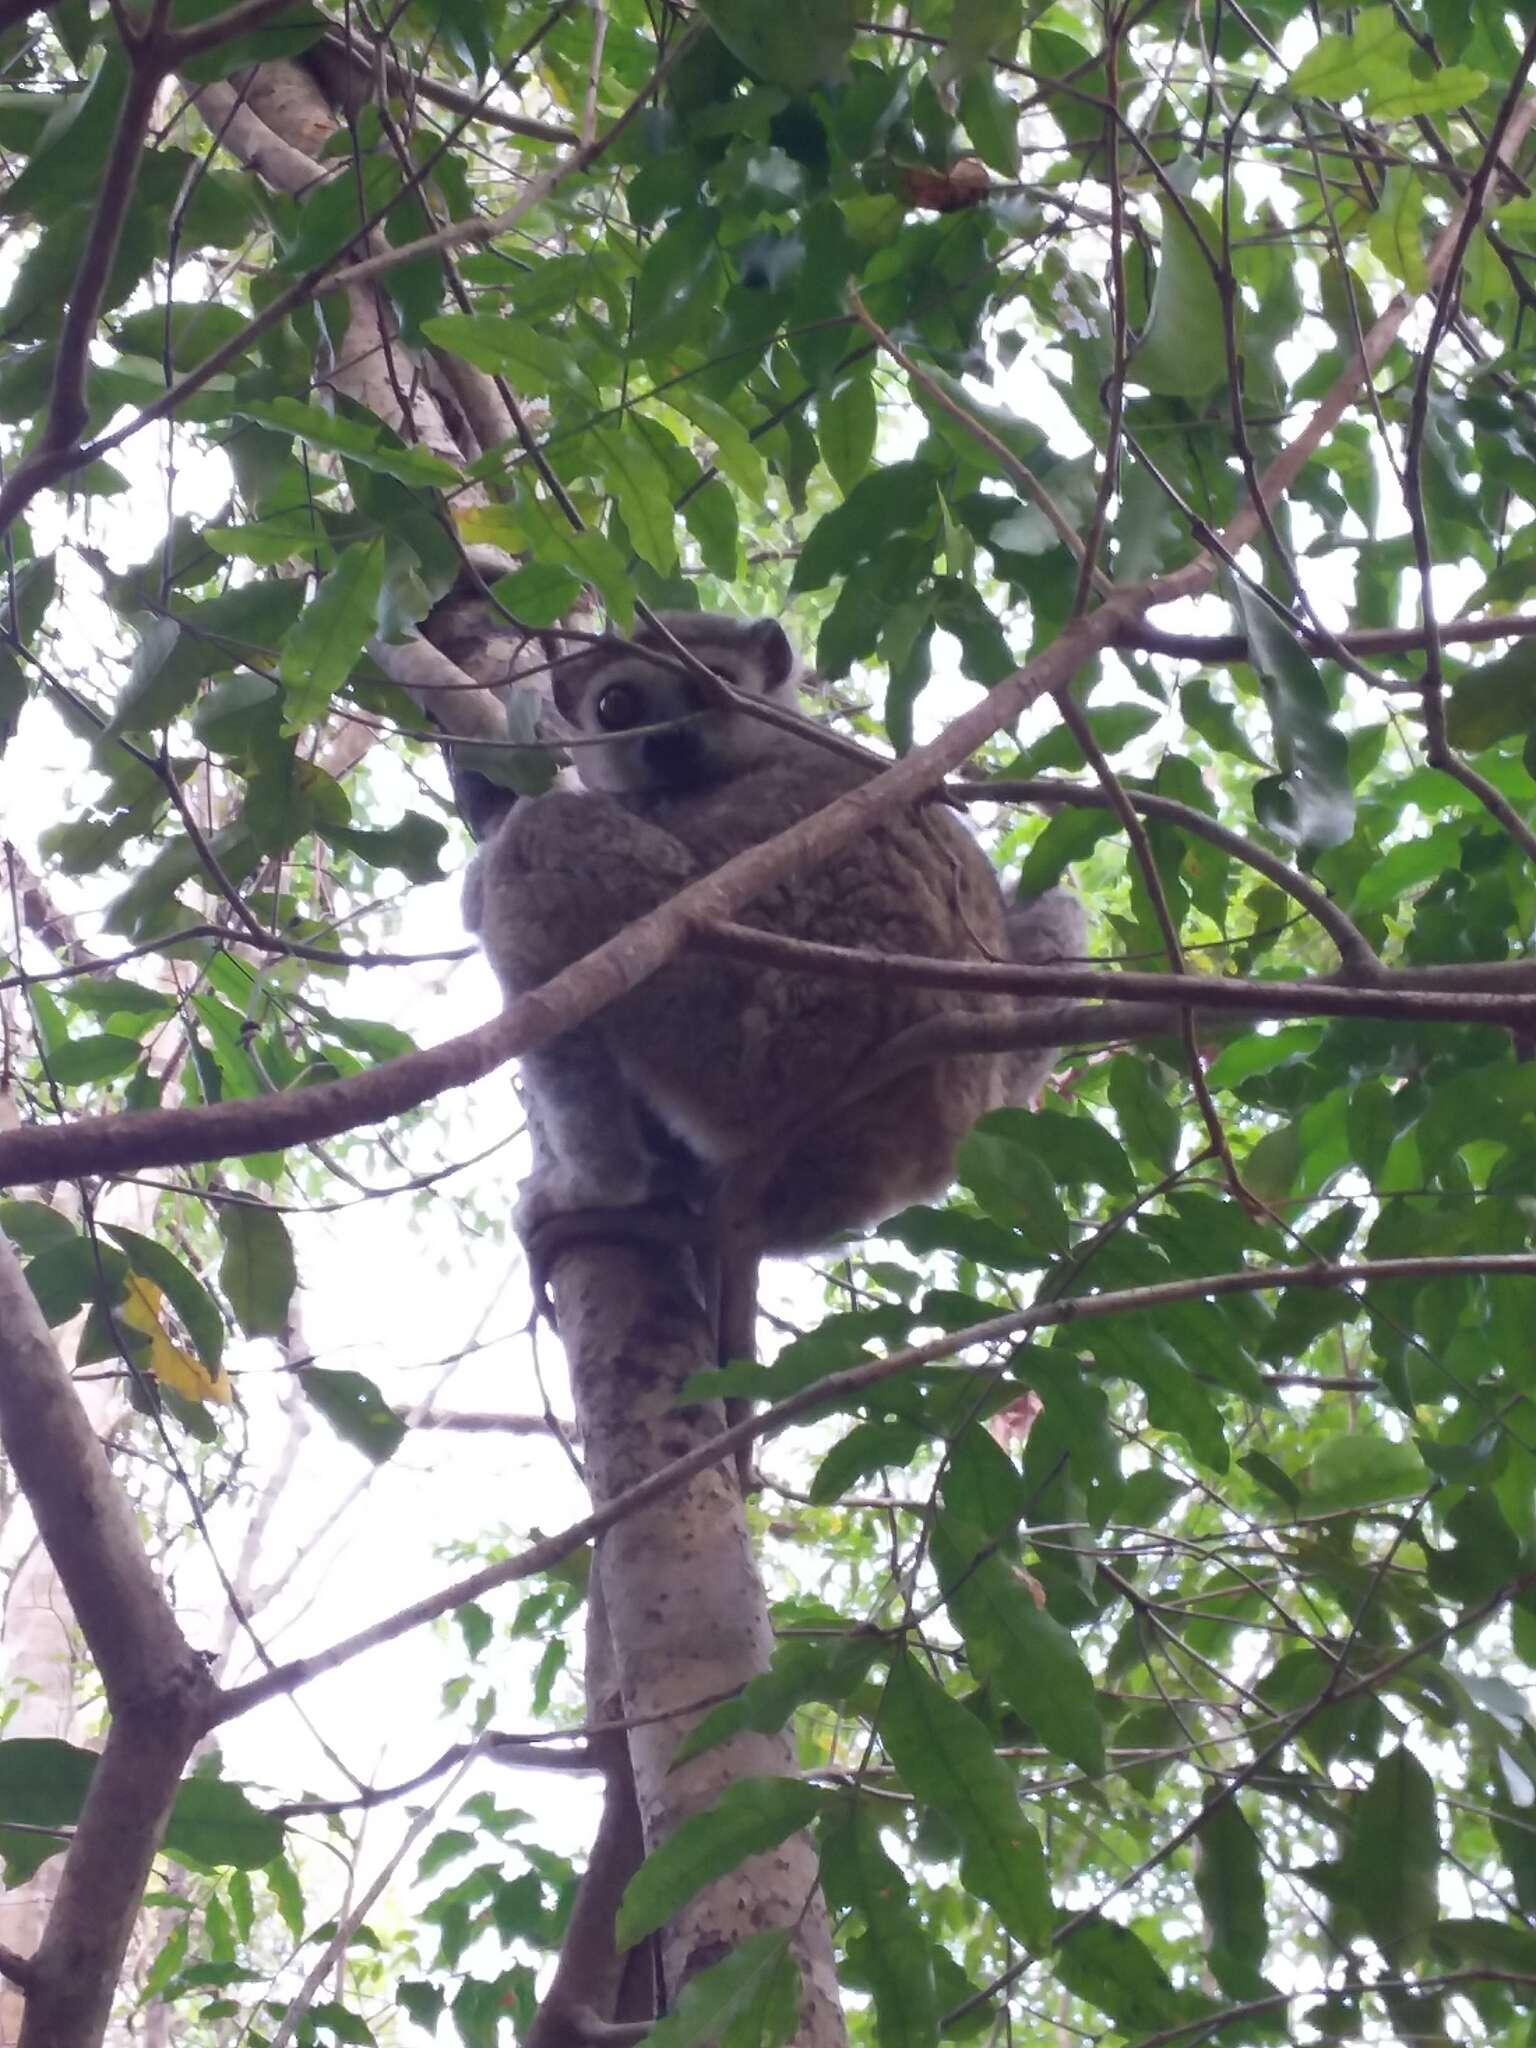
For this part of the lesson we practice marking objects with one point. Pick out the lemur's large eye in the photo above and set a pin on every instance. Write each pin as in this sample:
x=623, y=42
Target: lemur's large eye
x=620, y=706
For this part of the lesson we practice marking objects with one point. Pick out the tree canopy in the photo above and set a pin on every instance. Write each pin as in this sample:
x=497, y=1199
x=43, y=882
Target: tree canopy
x=1131, y=411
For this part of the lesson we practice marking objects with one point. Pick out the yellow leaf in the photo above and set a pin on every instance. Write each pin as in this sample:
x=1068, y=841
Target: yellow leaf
x=175, y=1368
x=496, y=525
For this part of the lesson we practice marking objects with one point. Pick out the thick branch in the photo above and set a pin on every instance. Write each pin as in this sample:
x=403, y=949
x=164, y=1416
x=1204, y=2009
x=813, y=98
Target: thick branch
x=418, y=85
x=159, y=1691
x=81, y=1514
x=116, y=1144
x=1211, y=648
x=1320, y=998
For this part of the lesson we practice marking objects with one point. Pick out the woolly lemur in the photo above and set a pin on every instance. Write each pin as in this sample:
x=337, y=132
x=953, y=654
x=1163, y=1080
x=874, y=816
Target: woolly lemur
x=687, y=1086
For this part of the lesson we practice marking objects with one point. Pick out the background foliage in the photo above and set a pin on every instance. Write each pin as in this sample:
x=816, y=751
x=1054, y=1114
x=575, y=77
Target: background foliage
x=1187, y=1701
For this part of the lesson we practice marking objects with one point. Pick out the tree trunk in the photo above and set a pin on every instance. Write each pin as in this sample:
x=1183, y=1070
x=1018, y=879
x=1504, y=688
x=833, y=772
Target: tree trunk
x=685, y=1603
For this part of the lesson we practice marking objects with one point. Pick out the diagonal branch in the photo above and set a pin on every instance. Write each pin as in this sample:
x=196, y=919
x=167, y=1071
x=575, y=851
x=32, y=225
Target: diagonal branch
x=839, y=1389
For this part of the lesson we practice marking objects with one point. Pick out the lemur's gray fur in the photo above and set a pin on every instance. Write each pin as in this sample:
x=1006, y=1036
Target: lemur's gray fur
x=688, y=1086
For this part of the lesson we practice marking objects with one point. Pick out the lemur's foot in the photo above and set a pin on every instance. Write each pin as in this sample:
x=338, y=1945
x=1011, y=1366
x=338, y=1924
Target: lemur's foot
x=642, y=1223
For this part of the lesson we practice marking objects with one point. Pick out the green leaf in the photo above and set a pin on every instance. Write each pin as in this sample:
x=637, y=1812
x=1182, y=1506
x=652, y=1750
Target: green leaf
x=846, y=423
x=992, y=121
x=1405, y=867
x=1400, y=96
x=1229, y=1883
x=1488, y=1944
x=1359, y=1470
x=284, y=33
x=43, y=1784
x=750, y=1815
x=1494, y=700
x=1113, y=725
x=322, y=647
x=983, y=1486
x=257, y=1272
x=214, y=1826
x=369, y=444
x=1377, y=62
x=1113, y=1969
x=109, y=995
x=947, y=1761
x=1012, y=1184
x=181, y=1287
x=591, y=555
x=1397, y=228
x=1260, y=1052
x=25, y=595
x=412, y=846
x=1310, y=802
x=32, y=1226
x=1149, y=1122
x=355, y=1409
x=66, y=165
x=750, y=1999
x=632, y=470
x=1078, y=1150
x=871, y=1447
x=1391, y=1865
x=538, y=594
x=1182, y=350
x=895, y=1956
x=892, y=500
x=65, y=1276
x=830, y=1669
x=794, y=43
x=1343, y=65
x=1012, y=1642
x=710, y=516
x=535, y=362
x=100, y=1057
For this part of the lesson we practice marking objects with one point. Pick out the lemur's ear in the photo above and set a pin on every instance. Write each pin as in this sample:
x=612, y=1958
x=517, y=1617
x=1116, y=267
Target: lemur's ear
x=770, y=643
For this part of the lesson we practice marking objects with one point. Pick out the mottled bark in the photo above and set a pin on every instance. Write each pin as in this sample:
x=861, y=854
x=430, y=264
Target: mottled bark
x=685, y=1602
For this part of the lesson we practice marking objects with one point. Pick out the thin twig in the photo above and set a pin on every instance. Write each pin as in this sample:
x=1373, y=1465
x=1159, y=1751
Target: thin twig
x=1018, y=471
x=1438, y=750
x=1076, y=722
x=839, y=1390
x=1356, y=954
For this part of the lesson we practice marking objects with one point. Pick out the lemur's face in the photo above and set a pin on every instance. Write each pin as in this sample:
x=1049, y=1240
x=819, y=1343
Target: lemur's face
x=623, y=691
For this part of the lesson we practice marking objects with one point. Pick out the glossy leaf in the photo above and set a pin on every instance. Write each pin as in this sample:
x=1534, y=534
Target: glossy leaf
x=355, y=1409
